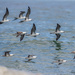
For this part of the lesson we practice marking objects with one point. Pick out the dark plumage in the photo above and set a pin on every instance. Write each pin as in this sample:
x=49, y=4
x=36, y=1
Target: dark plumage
x=28, y=12
x=6, y=14
x=20, y=15
x=21, y=34
x=27, y=15
x=7, y=53
x=57, y=28
x=33, y=29
x=57, y=36
x=57, y=32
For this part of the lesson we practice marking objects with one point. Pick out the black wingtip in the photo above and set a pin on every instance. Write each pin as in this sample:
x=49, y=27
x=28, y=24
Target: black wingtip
x=34, y=24
x=57, y=36
x=22, y=11
x=6, y=8
x=1, y=22
x=58, y=24
x=28, y=6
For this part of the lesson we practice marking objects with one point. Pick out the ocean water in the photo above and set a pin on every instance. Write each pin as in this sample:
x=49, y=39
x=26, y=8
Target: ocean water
x=45, y=14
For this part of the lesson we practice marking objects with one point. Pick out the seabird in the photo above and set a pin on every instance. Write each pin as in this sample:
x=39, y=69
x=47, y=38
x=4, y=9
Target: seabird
x=21, y=34
x=6, y=54
x=20, y=15
x=30, y=57
x=60, y=61
x=5, y=16
x=57, y=32
x=33, y=31
x=27, y=15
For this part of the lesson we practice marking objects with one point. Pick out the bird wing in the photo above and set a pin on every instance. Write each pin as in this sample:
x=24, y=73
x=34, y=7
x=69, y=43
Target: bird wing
x=7, y=52
x=6, y=14
x=21, y=13
x=22, y=36
x=57, y=28
x=28, y=12
x=18, y=33
x=33, y=29
x=57, y=36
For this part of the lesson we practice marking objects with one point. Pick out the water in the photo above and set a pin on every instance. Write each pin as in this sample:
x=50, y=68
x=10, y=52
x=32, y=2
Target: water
x=45, y=14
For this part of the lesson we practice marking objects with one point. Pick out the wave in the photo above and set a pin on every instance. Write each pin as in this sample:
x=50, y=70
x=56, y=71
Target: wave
x=8, y=71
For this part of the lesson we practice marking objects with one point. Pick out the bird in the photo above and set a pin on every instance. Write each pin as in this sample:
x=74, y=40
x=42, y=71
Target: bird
x=21, y=34
x=27, y=15
x=30, y=57
x=20, y=15
x=33, y=31
x=57, y=32
x=60, y=61
x=6, y=54
x=5, y=16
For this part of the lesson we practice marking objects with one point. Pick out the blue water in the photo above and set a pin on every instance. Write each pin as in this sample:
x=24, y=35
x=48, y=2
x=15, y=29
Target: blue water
x=45, y=14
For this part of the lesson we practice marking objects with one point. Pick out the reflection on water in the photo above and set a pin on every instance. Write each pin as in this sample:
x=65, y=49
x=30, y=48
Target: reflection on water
x=58, y=45
x=29, y=61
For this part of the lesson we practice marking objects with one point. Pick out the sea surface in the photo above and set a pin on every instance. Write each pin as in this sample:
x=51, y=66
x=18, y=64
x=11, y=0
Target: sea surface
x=45, y=14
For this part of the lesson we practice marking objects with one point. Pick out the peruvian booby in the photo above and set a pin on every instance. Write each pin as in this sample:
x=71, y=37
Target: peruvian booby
x=20, y=15
x=7, y=53
x=60, y=61
x=33, y=31
x=5, y=16
x=30, y=57
x=27, y=15
x=57, y=32
x=21, y=34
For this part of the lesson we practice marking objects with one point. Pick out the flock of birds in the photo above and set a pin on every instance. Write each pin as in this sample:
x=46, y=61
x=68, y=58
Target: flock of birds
x=33, y=32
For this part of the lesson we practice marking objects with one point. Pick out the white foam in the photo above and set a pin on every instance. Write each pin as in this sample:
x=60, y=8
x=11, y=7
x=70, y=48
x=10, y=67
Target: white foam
x=6, y=71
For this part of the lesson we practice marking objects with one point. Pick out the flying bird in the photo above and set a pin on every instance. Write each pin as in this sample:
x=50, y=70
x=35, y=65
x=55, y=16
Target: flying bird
x=21, y=34
x=20, y=15
x=33, y=31
x=5, y=16
x=60, y=61
x=7, y=53
x=27, y=15
x=57, y=32
x=30, y=57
